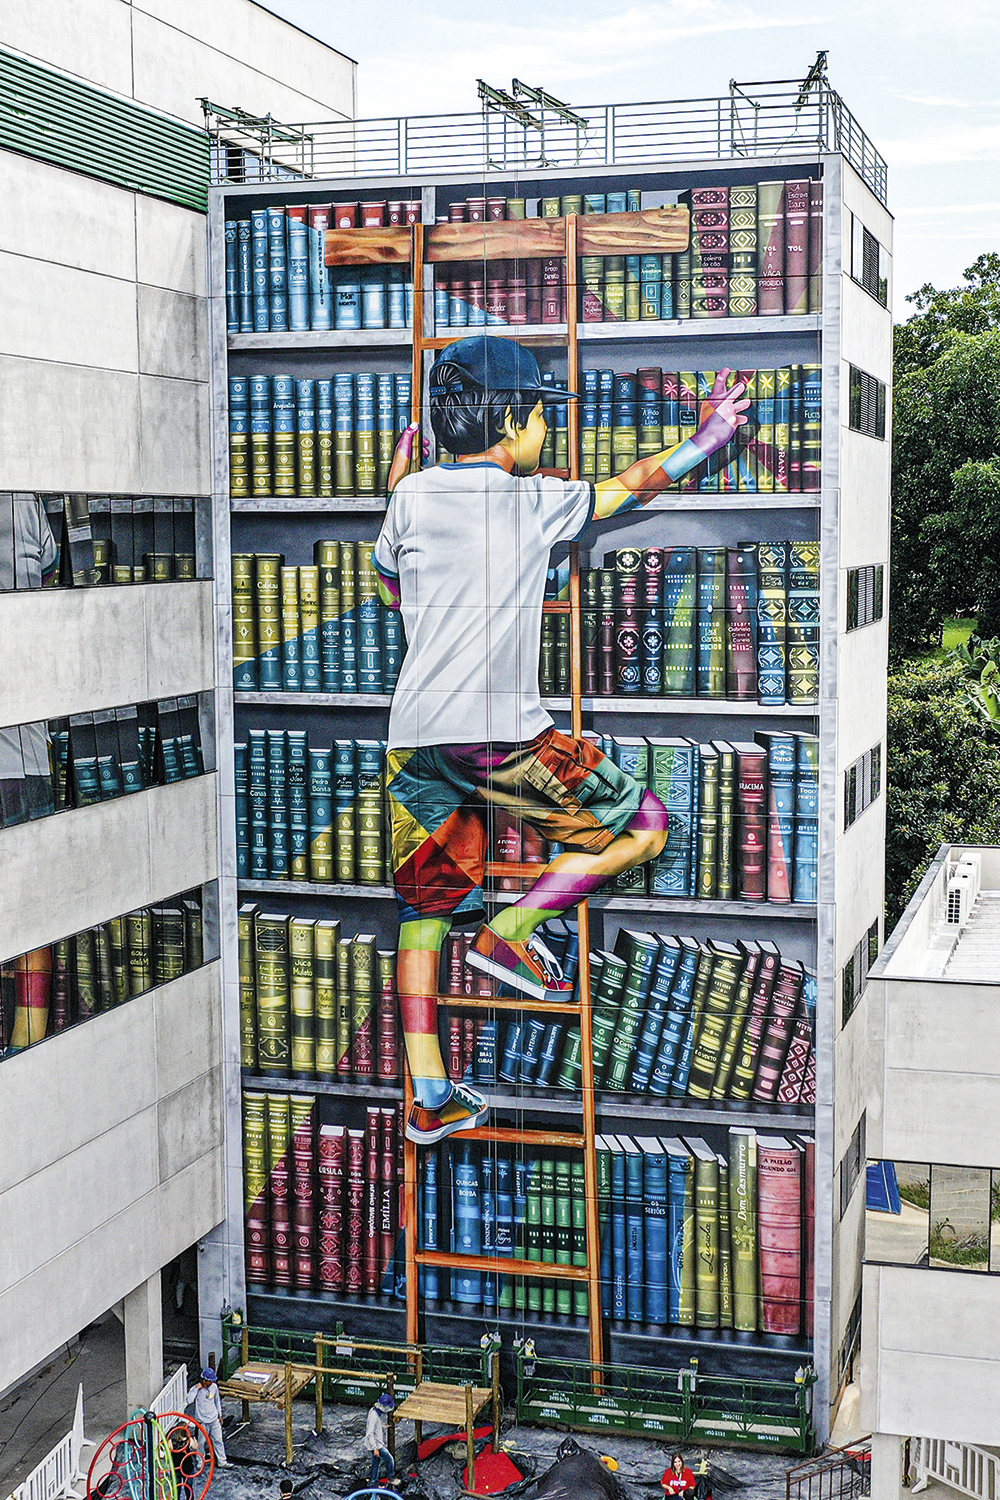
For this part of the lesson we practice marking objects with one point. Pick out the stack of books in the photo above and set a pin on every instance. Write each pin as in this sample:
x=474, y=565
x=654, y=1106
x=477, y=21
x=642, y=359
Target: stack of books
x=673, y=1018
x=690, y=1237
x=624, y=417
x=696, y=622
x=314, y=1003
x=314, y=437
x=304, y=813
x=322, y=1201
x=105, y=539
x=499, y=293
x=317, y=628
x=52, y=988
x=277, y=279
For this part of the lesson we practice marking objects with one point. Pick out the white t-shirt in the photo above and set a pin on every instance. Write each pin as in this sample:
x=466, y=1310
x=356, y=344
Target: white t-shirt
x=470, y=546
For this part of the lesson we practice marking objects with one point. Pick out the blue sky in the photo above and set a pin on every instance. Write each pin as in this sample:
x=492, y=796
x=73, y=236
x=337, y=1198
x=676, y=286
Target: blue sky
x=920, y=77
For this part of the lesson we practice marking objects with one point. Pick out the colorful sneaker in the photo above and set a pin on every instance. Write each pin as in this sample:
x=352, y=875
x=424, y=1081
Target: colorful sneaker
x=464, y=1109
x=529, y=968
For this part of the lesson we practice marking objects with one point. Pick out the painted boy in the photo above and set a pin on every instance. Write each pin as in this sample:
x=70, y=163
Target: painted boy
x=464, y=552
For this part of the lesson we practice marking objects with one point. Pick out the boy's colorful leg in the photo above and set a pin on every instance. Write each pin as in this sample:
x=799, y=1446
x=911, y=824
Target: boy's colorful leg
x=417, y=978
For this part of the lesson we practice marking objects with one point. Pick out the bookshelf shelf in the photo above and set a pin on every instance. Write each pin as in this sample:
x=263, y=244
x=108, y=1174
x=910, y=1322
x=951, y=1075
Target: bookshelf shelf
x=309, y=888
x=727, y=706
x=317, y=700
x=341, y=1088
x=320, y=340
x=700, y=328
x=306, y=505
x=683, y=904
x=539, y=334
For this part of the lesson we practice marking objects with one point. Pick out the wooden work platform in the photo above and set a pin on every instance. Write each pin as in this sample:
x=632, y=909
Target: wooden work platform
x=442, y=1403
x=246, y=1383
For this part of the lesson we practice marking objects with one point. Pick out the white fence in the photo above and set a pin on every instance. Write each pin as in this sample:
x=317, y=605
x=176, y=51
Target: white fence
x=61, y=1470
x=173, y=1395
x=971, y=1471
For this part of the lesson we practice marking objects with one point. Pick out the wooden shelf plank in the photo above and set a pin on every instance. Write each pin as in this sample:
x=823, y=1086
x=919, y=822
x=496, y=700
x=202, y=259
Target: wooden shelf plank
x=388, y=246
x=499, y=1265
x=507, y=1002
x=497, y=239
x=507, y=1137
x=656, y=231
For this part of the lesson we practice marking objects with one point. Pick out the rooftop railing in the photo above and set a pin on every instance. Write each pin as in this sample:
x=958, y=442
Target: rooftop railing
x=771, y=119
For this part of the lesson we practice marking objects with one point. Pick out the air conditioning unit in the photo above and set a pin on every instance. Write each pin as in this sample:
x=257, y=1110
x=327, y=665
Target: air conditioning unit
x=963, y=889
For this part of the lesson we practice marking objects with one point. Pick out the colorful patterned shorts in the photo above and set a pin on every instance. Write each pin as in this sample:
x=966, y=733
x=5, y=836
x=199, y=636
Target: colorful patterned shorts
x=441, y=798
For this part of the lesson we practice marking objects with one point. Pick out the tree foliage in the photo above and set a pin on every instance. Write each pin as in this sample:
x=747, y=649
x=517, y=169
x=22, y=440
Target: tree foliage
x=943, y=771
x=946, y=460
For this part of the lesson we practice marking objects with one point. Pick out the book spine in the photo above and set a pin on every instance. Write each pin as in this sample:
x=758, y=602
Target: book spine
x=806, y=818
x=261, y=472
x=277, y=804
x=298, y=269
x=815, y=246
x=797, y=247
x=279, y=1188
x=725, y=1249
x=743, y=252
x=370, y=1271
x=304, y=1245
x=743, y=1228
x=277, y=261
x=802, y=628
x=291, y=653
x=320, y=816
x=741, y=622
x=752, y=825
x=777, y=1033
x=348, y=619
x=706, y=1190
x=345, y=1006
x=271, y=961
x=301, y=954
x=326, y=998
x=771, y=248
x=771, y=622
x=364, y=972
x=244, y=624
x=713, y=1025
x=354, y=1217
x=244, y=253
x=239, y=435
x=258, y=1256
x=261, y=271
x=388, y=1031
x=635, y=1237
x=779, y=1191
x=320, y=281
x=331, y=1208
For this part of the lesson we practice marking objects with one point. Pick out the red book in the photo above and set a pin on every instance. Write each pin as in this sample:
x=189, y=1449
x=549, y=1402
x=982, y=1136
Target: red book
x=456, y=1067
x=345, y=215
x=517, y=292
x=771, y=248
x=779, y=1229
x=751, y=820
x=388, y=1025
x=453, y=964
x=279, y=1186
x=354, y=1219
x=468, y=1043
x=552, y=290
x=815, y=246
x=373, y=215
x=469, y=978
x=331, y=1207
x=60, y=1013
x=534, y=849
x=741, y=652
x=809, y=1079
x=533, y=290
x=371, y=1277
x=496, y=293
x=476, y=283
x=303, y=1200
x=753, y=1029
x=809, y=1229
x=778, y=1028
x=387, y=1191
x=797, y=247
x=507, y=838
x=793, y=1074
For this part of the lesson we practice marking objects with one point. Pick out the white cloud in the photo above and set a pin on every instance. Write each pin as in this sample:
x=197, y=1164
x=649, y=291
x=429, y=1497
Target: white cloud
x=944, y=147
x=920, y=210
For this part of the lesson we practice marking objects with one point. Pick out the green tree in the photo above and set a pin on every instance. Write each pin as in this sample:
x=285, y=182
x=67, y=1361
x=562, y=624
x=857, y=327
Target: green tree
x=972, y=308
x=946, y=486
x=943, y=778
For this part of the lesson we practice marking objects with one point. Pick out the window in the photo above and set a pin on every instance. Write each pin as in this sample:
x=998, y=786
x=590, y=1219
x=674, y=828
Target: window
x=864, y=595
x=855, y=975
x=850, y=1342
x=933, y=1215
x=869, y=262
x=862, y=784
x=850, y=1167
x=867, y=404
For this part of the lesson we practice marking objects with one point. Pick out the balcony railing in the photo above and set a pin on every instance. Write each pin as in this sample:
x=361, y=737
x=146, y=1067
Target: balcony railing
x=773, y=119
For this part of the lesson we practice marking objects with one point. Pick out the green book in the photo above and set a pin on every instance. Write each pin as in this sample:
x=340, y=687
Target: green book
x=725, y=1249
x=344, y=1007
x=248, y=986
x=725, y=854
x=570, y=1067
x=614, y=288
x=737, y=1018
x=194, y=934
x=119, y=958
x=533, y=1230
x=325, y=977
x=702, y=980
x=680, y=593
x=607, y=998
x=309, y=626
x=641, y=953
x=84, y=972
x=139, y=943
x=578, y=1207
x=244, y=623
x=105, y=978
x=283, y=388
x=743, y=251
x=743, y=1226
x=713, y=1023
x=548, y=1206
x=708, y=821
x=706, y=1232
x=271, y=963
x=168, y=943
x=301, y=954
x=563, y=1232
x=364, y=975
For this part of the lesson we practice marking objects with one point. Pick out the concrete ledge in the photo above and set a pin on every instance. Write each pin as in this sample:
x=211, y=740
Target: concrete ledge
x=67, y=872
x=70, y=650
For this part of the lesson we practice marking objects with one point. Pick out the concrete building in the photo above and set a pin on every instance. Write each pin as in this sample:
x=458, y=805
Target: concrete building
x=931, y=1312
x=112, y=1160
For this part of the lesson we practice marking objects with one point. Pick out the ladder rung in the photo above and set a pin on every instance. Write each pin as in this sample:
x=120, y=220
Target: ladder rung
x=500, y=1265
x=492, y=1002
x=505, y=1136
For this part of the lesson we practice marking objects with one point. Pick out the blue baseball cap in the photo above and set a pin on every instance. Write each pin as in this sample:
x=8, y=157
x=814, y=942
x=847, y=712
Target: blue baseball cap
x=496, y=364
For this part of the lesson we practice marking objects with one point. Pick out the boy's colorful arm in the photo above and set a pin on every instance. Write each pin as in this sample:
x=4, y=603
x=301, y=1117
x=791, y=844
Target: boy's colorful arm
x=721, y=415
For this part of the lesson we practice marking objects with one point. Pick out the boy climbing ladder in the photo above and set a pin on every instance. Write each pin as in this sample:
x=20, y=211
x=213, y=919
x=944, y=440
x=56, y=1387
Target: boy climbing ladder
x=463, y=553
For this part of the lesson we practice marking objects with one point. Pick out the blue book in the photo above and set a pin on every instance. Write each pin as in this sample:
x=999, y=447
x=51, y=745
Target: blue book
x=466, y=1221
x=484, y=1057
x=261, y=476
x=521, y=1168
x=531, y=1046
x=780, y=813
x=277, y=805
x=373, y=298
x=277, y=270
x=667, y=288
x=674, y=778
x=619, y=1230
x=882, y=1188
x=324, y=437
x=603, y=1151
x=655, y=1016
x=617, y=203
x=430, y=1221
x=320, y=279
x=675, y=1022
x=259, y=861
x=805, y=886
x=551, y=1051
x=511, y=1059
x=241, y=757
x=503, y=1230
x=232, y=277
x=772, y=605
x=404, y=398
x=685, y=1053
x=392, y=647
x=489, y=1219
x=680, y=617
x=261, y=271
x=635, y=1238
x=680, y=1231
x=298, y=269
x=347, y=297
x=655, y=1237
x=320, y=814
x=298, y=804
x=442, y=300
x=396, y=297
x=244, y=261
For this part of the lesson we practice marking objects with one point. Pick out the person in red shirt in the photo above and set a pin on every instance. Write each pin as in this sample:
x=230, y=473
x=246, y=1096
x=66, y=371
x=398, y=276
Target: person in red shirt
x=679, y=1479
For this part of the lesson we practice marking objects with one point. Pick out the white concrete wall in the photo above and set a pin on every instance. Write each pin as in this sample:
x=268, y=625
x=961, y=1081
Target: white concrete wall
x=112, y=1161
